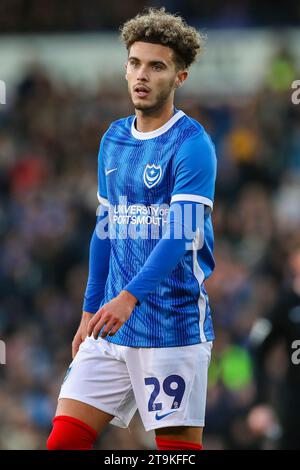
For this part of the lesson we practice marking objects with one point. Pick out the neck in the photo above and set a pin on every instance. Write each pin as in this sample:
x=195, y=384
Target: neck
x=149, y=121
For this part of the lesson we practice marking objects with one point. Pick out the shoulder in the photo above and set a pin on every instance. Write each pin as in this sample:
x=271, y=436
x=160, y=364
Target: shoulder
x=197, y=146
x=196, y=134
x=119, y=125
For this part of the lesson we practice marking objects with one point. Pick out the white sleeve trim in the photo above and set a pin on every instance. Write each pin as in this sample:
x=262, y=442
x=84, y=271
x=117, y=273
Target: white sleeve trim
x=192, y=198
x=102, y=200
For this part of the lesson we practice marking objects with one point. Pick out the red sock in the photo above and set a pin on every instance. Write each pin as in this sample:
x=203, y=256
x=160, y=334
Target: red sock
x=70, y=434
x=168, y=444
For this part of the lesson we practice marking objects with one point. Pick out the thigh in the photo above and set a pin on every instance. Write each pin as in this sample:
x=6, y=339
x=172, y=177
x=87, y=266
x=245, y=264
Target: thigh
x=97, y=386
x=170, y=386
x=90, y=415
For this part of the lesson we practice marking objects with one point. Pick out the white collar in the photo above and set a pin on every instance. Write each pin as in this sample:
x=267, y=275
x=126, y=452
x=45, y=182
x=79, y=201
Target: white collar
x=161, y=130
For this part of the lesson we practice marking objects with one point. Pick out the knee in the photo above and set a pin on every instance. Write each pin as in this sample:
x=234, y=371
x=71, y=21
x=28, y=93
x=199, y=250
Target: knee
x=69, y=433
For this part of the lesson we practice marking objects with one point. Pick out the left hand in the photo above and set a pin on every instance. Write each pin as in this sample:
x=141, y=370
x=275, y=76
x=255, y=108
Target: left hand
x=113, y=315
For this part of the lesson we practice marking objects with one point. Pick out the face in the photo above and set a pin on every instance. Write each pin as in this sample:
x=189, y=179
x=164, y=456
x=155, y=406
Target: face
x=152, y=76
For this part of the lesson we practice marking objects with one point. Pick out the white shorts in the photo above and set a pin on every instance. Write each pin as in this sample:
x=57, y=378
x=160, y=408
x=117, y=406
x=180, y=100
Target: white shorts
x=167, y=385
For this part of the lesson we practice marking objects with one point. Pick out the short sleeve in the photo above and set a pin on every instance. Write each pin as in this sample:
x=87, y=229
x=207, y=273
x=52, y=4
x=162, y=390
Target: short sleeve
x=195, y=167
x=102, y=188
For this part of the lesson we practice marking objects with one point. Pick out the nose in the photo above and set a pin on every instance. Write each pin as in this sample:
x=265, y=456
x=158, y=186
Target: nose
x=143, y=73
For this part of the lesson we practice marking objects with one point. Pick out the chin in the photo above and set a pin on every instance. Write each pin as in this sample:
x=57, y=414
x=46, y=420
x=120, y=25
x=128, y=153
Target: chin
x=142, y=106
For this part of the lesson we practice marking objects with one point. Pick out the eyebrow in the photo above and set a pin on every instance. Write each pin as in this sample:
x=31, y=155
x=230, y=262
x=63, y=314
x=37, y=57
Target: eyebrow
x=152, y=62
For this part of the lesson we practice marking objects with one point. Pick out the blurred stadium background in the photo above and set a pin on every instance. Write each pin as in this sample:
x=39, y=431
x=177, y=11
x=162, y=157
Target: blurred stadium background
x=62, y=64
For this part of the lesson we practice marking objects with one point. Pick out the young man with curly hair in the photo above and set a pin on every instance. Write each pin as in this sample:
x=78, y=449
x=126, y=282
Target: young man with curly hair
x=145, y=337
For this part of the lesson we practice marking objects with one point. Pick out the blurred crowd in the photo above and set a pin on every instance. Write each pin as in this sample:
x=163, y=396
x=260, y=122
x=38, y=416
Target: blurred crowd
x=49, y=138
x=75, y=15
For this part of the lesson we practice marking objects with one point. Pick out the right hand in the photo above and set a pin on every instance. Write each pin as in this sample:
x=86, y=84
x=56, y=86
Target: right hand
x=81, y=333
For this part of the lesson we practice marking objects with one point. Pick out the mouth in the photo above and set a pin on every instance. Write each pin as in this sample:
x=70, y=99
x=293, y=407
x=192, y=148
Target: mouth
x=141, y=91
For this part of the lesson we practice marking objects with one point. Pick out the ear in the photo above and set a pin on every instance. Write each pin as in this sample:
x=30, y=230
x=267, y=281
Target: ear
x=181, y=77
x=125, y=66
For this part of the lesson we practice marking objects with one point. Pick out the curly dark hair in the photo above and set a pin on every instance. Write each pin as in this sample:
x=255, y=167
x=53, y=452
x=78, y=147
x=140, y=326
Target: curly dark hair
x=159, y=27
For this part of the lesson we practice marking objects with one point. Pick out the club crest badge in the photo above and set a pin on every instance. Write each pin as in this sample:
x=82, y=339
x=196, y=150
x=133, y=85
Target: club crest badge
x=152, y=175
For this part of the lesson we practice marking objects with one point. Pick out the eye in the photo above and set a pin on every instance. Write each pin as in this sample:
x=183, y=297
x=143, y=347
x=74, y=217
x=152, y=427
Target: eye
x=157, y=67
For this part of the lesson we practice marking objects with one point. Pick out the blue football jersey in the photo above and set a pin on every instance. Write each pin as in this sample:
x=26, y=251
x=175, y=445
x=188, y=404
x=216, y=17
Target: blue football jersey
x=139, y=175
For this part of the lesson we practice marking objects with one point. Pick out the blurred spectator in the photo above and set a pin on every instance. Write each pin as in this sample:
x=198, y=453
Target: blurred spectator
x=282, y=324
